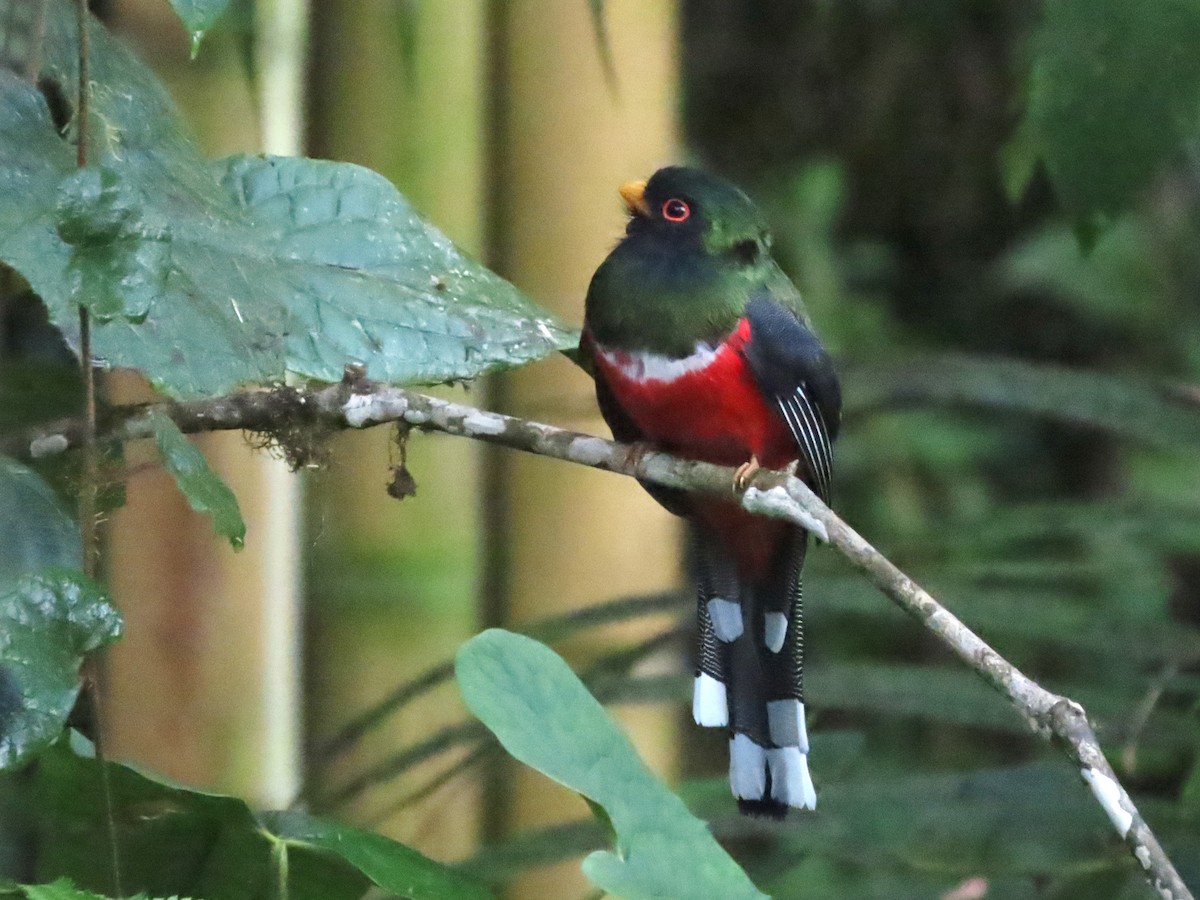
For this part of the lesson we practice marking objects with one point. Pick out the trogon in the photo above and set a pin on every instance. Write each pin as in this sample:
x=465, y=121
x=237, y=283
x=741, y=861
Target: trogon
x=700, y=346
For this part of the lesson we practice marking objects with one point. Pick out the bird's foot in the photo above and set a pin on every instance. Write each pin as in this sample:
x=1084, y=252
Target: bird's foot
x=744, y=472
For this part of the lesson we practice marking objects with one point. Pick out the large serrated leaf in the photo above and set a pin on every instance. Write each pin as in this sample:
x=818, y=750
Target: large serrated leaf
x=175, y=841
x=545, y=717
x=120, y=258
x=205, y=491
x=150, y=237
x=1114, y=96
x=373, y=284
x=49, y=620
x=308, y=265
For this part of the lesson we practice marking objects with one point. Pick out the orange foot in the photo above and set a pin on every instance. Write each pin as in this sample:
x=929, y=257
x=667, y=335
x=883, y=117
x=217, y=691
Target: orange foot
x=741, y=477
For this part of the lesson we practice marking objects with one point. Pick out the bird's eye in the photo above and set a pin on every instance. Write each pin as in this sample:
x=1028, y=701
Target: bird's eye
x=676, y=210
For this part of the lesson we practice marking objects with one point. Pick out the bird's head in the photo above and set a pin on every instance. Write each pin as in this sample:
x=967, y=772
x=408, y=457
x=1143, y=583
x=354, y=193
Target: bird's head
x=695, y=251
x=691, y=210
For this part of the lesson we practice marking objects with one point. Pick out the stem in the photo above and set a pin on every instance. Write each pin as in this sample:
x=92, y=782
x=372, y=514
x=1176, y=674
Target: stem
x=94, y=675
x=88, y=485
x=280, y=852
x=94, y=689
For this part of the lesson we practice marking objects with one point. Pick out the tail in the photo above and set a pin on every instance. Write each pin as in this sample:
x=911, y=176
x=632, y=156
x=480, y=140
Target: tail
x=750, y=674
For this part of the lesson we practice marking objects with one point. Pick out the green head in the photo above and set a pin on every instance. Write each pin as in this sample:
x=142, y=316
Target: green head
x=695, y=250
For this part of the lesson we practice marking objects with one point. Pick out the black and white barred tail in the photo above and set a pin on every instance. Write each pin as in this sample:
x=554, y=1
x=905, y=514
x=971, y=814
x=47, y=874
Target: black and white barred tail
x=750, y=675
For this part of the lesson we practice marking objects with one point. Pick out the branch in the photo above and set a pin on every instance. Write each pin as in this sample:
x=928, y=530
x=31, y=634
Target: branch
x=356, y=403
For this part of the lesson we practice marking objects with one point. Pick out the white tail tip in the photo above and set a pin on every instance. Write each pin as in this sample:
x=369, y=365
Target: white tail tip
x=747, y=768
x=791, y=782
x=710, y=703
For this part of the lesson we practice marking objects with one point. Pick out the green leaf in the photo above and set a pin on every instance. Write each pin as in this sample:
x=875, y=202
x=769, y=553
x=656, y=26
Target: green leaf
x=43, y=535
x=198, y=16
x=500, y=863
x=393, y=867
x=149, y=235
x=1114, y=96
x=199, y=287
x=204, y=489
x=545, y=717
x=1129, y=407
x=120, y=258
x=59, y=890
x=370, y=282
x=48, y=622
x=192, y=843
x=62, y=889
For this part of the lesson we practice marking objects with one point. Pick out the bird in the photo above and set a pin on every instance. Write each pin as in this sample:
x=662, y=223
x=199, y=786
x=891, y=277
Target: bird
x=700, y=346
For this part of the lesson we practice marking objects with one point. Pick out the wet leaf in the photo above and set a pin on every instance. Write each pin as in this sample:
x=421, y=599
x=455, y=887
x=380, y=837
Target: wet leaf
x=205, y=491
x=49, y=621
x=545, y=717
x=184, y=842
x=369, y=282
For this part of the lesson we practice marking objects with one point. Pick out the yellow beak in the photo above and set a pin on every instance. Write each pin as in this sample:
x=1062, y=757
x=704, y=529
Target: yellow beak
x=634, y=195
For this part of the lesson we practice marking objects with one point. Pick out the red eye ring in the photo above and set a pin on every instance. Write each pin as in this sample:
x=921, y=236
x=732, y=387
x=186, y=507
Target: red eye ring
x=676, y=210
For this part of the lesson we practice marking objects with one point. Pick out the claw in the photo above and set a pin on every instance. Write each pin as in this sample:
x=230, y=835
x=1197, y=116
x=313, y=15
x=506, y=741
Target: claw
x=744, y=472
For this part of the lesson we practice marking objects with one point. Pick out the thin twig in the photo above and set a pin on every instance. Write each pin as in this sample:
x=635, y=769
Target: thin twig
x=358, y=404
x=83, y=100
x=1142, y=715
x=94, y=681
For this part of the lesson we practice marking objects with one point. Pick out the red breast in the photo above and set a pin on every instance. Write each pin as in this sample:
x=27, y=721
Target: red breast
x=706, y=406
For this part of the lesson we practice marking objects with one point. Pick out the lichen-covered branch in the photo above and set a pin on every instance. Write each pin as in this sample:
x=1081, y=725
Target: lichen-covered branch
x=358, y=404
